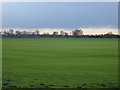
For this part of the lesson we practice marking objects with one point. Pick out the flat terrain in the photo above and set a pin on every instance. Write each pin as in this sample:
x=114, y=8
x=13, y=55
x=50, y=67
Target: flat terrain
x=60, y=62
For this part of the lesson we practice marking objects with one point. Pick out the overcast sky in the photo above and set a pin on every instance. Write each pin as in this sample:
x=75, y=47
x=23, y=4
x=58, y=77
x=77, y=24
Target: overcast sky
x=60, y=15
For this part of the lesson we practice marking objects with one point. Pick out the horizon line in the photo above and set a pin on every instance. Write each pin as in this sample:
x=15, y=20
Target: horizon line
x=68, y=30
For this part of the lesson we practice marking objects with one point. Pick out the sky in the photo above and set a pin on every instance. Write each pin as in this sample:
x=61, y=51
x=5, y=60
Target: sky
x=65, y=15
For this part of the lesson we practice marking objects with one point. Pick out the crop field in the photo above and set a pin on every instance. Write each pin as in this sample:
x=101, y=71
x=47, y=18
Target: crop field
x=60, y=63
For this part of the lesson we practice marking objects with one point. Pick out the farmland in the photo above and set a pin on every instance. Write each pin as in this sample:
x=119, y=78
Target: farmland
x=60, y=62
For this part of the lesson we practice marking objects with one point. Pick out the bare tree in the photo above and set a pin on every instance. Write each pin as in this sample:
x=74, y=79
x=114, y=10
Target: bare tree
x=17, y=32
x=5, y=32
x=11, y=31
x=55, y=33
x=37, y=32
x=62, y=33
x=66, y=34
x=77, y=32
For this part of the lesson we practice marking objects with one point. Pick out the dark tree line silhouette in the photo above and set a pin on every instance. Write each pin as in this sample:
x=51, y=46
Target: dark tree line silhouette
x=77, y=33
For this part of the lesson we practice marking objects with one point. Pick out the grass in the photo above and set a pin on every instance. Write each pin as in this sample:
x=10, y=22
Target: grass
x=60, y=63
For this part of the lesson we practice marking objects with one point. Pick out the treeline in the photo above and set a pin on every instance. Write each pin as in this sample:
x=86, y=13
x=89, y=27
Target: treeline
x=59, y=36
x=77, y=33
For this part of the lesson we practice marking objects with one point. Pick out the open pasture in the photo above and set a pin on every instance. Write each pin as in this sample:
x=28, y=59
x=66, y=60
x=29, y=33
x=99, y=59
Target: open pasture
x=60, y=62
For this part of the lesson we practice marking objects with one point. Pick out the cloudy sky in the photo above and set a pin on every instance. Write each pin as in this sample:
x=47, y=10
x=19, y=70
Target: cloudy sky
x=65, y=15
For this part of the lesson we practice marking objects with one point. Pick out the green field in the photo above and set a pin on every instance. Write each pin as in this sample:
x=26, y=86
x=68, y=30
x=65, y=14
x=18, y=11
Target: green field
x=60, y=62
